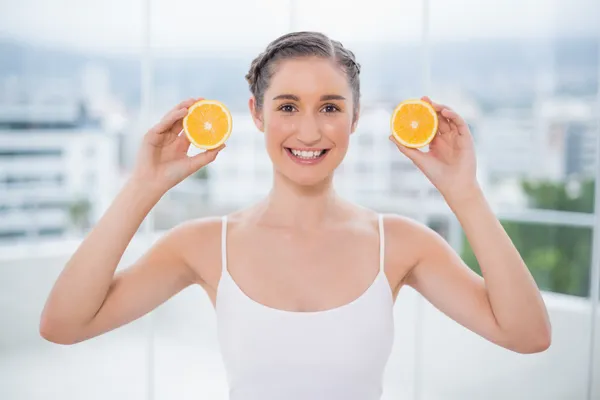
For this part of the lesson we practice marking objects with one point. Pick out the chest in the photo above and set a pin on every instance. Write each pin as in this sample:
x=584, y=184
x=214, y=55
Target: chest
x=303, y=271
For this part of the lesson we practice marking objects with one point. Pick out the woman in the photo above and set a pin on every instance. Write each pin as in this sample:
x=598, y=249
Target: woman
x=303, y=282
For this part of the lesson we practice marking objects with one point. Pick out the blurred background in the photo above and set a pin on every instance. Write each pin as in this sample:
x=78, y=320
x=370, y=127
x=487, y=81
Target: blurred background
x=81, y=81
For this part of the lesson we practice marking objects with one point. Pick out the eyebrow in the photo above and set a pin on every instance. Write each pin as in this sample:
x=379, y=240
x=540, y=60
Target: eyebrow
x=296, y=98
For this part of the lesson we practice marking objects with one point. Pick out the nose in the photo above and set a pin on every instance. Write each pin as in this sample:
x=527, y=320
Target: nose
x=309, y=133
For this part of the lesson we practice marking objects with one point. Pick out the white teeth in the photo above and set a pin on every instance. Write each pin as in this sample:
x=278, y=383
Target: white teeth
x=307, y=154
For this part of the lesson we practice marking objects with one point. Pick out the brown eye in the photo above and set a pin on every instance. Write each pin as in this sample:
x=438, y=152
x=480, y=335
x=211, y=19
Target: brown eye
x=287, y=108
x=330, y=108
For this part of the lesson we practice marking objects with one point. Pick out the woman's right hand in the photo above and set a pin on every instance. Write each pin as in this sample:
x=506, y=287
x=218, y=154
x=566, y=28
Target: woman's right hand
x=162, y=160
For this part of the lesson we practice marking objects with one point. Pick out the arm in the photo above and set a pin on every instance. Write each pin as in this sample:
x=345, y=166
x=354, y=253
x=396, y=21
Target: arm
x=505, y=306
x=88, y=298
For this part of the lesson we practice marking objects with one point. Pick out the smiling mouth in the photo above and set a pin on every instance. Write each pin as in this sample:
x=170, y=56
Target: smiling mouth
x=306, y=155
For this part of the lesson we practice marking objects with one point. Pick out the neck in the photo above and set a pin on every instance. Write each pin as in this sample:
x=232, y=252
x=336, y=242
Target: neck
x=294, y=205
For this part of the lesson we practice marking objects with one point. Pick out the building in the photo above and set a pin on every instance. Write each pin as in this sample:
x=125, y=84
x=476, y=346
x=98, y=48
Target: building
x=58, y=169
x=552, y=139
x=572, y=129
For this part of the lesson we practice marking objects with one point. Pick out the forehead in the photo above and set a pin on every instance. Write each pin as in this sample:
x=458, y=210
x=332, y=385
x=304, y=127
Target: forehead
x=308, y=75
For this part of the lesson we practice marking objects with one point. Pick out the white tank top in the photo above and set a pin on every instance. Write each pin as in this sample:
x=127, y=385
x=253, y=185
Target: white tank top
x=272, y=354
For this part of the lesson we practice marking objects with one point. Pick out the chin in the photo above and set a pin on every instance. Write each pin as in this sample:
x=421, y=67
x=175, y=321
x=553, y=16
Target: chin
x=308, y=180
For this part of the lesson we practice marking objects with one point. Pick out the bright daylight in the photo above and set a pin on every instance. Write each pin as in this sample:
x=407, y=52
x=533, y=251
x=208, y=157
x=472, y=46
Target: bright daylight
x=298, y=199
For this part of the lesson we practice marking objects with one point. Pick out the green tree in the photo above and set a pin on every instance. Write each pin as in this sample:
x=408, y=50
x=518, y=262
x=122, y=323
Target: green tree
x=79, y=214
x=558, y=257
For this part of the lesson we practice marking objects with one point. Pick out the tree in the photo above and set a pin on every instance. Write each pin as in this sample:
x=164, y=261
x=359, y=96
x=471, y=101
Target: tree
x=79, y=214
x=558, y=257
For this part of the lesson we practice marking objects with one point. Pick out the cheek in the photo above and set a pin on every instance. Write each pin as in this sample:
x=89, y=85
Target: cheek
x=338, y=130
x=278, y=129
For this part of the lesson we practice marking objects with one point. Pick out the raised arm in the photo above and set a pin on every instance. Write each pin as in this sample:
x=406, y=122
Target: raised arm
x=505, y=306
x=88, y=298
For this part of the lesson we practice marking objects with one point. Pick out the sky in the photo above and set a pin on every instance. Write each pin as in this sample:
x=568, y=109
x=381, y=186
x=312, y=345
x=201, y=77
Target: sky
x=179, y=26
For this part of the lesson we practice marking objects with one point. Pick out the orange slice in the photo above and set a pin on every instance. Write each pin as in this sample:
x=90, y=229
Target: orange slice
x=414, y=123
x=207, y=124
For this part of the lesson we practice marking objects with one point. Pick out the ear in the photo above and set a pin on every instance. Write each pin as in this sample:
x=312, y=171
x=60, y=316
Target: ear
x=256, y=114
x=355, y=120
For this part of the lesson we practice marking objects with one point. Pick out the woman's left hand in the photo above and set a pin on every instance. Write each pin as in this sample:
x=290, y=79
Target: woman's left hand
x=450, y=163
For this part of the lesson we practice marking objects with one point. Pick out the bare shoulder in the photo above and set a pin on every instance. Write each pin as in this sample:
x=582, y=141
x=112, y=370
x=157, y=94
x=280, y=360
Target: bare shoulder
x=407, y=240
x=399, y=226
x=198, y=241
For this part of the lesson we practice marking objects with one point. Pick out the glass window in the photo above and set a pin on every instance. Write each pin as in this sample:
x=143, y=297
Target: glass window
x=69, y=79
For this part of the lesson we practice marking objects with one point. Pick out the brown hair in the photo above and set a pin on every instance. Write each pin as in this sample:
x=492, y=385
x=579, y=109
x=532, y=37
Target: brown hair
x=301, y=44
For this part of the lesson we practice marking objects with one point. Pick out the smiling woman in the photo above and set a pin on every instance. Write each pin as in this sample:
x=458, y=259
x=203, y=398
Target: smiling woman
x=305, y=107
x=522, y=73
x=304, y=281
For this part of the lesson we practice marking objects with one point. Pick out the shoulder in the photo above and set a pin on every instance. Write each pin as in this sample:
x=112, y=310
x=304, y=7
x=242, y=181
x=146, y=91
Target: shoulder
x=191, y=234
x=408, y=241
x=403, y=229
x=198, y=243
x=206, y=228
x=398, y=226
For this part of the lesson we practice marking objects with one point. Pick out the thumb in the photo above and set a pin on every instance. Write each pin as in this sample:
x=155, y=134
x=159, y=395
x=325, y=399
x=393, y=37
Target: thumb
x=200, y=160
x=415, y=155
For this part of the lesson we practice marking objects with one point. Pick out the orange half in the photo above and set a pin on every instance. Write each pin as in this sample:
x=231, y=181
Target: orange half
x=207, y=124
x=414, y=123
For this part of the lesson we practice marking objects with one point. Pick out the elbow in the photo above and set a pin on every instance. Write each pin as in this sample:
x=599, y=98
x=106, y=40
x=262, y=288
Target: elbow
x=538, y=346
x=55, y=332
x=544, y=341
x=537, y=342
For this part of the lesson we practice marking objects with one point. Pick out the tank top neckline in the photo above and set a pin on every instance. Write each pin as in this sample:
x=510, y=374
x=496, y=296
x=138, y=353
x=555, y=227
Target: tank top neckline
x=379, y=277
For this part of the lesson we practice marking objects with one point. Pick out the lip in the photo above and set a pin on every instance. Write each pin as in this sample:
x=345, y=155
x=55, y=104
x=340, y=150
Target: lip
x=312, y=161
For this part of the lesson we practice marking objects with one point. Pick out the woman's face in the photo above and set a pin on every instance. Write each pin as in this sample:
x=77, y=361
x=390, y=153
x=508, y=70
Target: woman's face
x=307, y=118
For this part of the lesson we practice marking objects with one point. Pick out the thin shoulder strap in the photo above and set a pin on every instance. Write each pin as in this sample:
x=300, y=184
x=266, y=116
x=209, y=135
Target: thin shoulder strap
x=381, y=244
x=224, y=242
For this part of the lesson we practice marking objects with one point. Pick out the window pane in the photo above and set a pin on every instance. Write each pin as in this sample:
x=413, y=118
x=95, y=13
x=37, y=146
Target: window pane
x=204, y=49
x=67, y=85
x=69, y=91
x=559, y=257
x=527, y=84
x=525, y=77
x=386, y=40
x=195, y=54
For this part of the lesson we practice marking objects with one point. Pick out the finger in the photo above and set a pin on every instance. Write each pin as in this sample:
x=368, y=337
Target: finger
x=441, y=142
x=436, y=106
x=184, y=104
x=443, y=125
x=169, y=120
x=456, y=119
x=177, y=127
x=183, y=142
x=200, y=160
x=415, y=155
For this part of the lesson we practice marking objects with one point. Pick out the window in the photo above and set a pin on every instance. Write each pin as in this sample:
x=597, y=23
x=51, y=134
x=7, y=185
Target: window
x=524, y=74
